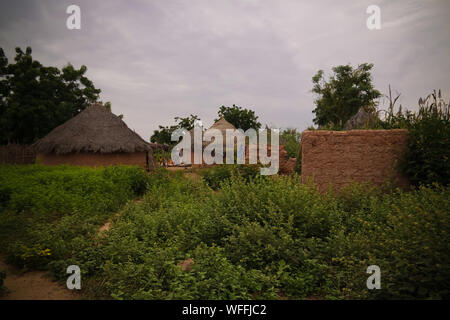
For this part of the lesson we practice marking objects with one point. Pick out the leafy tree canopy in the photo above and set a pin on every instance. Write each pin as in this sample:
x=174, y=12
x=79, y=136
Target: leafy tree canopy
x=35, y=99
x=343, y=94
x=164, y=134
x=239, y=117
x=290, y=138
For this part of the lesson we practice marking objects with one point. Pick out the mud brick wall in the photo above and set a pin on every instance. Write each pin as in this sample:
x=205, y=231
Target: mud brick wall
x=340, y=157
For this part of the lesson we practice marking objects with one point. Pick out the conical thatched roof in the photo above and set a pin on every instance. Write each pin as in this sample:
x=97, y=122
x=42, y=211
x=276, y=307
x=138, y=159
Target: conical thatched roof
x=95, y=129
x=222, y=125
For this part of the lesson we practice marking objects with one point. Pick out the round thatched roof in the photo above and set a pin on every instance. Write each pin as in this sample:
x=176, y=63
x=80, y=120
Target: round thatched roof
x=95, y=129
x=222, y=125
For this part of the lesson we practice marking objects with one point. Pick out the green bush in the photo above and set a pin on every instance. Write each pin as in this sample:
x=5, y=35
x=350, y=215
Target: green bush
x=261, y=238
x=248, y=242
x=46, y=209
x=218, y=174
x=290, y=138
x=406, y=235
x=427, y=158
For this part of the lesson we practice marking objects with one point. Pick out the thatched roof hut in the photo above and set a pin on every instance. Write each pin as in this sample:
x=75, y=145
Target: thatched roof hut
x=222, y=125
x=95, y=136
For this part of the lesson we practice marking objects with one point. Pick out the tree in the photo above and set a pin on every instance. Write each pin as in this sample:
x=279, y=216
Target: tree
x=345, y=92
x=35, y=99
x=164, y=134
x=290, y=138
x=187, y=122
x=240, y=118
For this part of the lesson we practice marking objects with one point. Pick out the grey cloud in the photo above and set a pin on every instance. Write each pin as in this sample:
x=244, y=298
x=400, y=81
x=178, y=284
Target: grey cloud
x=155, y=60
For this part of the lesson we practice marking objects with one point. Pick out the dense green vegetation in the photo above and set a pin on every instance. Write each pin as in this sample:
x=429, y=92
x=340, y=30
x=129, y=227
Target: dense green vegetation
x=219, y=174
x=164, y=134
x=35, y=99
x=340, y=96
x=240, y=118
x=49, y=213
x=268, y=237
x=290, y=139
x=427, y=158
x=248, y=242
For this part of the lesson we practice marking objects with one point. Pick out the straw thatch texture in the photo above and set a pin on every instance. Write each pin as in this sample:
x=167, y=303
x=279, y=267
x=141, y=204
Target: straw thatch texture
x=222, y=125
x=94, y=130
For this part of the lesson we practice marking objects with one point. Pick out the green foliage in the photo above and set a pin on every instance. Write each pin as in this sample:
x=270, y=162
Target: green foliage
x=164, y=134
x=406, y=234
x=248, y=242
x=298, y=165
x=239, y=117
x=35, y=99
x=218, y=174
x=265, y=238
x=343, y=94
x=427, y=158
x=290, y=138
x=162, y=157
x=47, y=211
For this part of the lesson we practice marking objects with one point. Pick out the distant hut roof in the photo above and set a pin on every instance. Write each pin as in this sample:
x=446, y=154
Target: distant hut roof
x=95, y=129
x=222, y=125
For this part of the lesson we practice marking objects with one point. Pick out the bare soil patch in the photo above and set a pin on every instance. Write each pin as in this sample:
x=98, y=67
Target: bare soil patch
x=32, y=285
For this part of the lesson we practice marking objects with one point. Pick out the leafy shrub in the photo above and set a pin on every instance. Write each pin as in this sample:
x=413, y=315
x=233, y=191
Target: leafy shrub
x=248, y=242
x=127, y=176
x=298, y=165
x=46, y=209
x=290, y=138
x=265, y=238
x=427, y=158
x=406, y=234
x=218, y=174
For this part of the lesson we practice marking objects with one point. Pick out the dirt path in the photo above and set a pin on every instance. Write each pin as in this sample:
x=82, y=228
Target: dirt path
x=33, y=285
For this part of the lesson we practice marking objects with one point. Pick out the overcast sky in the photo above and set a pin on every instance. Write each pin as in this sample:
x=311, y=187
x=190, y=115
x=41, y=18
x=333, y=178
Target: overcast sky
x=155, y=60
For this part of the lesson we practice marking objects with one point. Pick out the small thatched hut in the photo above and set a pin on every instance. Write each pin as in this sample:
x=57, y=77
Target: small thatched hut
x=222, y=125
x=94, y=137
